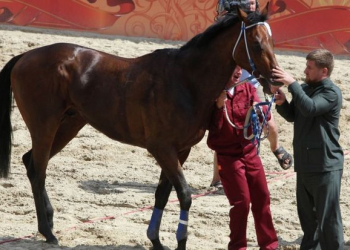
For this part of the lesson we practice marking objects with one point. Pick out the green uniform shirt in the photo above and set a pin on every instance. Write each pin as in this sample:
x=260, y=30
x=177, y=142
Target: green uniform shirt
x=315, y=111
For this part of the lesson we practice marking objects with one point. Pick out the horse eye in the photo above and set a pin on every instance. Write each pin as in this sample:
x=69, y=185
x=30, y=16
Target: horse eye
x=256, y=46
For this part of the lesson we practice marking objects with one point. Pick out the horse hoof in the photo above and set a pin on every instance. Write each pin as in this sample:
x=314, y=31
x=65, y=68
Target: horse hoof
x=157, y=245
x=181, y=245
x=52, y=241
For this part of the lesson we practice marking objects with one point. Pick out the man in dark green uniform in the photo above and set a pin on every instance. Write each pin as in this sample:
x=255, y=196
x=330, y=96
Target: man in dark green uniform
x=319, y=159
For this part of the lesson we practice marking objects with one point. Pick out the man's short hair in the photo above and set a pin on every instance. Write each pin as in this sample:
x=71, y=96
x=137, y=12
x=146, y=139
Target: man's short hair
x=322, y=58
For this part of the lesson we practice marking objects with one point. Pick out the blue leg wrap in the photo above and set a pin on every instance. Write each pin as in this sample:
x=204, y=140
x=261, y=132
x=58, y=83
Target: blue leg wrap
x=154, y=224
x=182, y=228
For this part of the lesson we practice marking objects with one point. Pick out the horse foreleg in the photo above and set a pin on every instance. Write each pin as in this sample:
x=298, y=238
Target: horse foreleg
x=184, y=196
x=181, y=234
x=161, y=196
x=170, y=162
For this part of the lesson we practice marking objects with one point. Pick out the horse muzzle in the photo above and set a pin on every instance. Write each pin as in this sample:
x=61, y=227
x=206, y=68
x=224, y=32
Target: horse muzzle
x=268, y=84
x=270, y=80
x=275, y=83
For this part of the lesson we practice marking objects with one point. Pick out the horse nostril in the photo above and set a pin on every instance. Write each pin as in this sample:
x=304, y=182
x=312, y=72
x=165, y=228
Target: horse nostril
x=256, y=74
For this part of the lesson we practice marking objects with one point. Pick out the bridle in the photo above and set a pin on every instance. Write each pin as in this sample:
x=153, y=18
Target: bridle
x=252, y=117
x=251, y=63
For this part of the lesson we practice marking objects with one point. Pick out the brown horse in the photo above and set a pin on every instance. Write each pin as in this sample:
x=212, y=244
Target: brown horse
x=160, y=101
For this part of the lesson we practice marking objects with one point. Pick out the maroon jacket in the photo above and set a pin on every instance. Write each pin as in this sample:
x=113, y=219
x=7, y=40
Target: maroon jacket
x=225, y=139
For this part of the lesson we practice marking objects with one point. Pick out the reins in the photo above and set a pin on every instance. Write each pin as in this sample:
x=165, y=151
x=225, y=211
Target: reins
x=257, y=126
x=252, y=120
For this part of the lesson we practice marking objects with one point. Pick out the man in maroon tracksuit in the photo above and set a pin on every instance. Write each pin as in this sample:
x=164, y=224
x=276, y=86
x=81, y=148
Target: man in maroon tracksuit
x=240, y=168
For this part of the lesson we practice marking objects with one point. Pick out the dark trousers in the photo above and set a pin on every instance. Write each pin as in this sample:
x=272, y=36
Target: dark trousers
x=244, y=183
x=319, y=210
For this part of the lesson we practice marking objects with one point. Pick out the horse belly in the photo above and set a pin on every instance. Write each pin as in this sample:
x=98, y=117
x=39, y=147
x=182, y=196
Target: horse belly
x=119, y=131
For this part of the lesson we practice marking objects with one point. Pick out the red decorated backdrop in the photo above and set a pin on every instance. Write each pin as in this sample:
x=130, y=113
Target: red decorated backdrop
x=299, y=25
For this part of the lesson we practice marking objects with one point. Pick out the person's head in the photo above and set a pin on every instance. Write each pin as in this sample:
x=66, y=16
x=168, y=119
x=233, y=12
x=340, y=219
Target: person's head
x=319, y=65
x=229, y=7
x=252, y=5
x=236, y=75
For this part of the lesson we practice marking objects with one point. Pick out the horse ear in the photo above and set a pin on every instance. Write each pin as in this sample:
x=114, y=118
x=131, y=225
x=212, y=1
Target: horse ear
x=265, y=10
x=242, y=15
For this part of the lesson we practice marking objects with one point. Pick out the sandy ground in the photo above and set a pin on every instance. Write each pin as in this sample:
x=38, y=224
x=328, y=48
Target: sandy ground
x=103, y=191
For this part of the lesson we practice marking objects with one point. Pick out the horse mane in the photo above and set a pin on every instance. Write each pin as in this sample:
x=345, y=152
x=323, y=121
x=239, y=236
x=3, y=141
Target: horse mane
x=212, y=31
x=204, y=38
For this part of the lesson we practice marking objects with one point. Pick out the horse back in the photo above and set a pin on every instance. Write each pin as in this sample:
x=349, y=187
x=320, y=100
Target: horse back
x=130, y=100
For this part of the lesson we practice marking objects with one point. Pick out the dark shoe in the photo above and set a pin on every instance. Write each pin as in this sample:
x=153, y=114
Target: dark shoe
x=284, y=158
x=217, y=185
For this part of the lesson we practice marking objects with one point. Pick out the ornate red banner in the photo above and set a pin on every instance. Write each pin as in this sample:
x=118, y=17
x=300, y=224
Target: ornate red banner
x=299, y=25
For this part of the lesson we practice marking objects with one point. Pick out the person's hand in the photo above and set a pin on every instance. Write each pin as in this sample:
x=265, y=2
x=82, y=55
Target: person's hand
x=279, y=75
x=220, y=102
x=280, y=97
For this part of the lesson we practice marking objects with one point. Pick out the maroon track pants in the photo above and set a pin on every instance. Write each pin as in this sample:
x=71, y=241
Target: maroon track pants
x=244, y=182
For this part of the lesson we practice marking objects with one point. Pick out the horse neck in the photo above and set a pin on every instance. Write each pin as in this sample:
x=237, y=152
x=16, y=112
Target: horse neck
x=210, y=67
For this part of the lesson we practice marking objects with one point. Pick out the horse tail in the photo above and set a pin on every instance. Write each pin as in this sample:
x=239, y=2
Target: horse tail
x=6, y=102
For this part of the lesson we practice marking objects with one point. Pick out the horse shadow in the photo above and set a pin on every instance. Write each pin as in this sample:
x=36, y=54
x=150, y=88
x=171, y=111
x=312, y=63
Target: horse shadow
x=39, y=244
x=105, y=187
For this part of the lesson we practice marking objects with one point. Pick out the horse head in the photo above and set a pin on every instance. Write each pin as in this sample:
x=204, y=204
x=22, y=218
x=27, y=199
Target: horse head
x=253, y=50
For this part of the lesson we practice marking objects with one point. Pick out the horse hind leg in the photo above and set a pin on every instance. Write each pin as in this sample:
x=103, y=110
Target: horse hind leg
x=171, y=175
x=36, y=162
x=71, y=124
x=67, y=130
x=27, y=158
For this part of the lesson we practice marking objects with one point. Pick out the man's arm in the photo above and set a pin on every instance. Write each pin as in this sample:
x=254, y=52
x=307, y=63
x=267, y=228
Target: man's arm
x=283, y=107
x=308, y=106
x=313, y=106
x=286, y=110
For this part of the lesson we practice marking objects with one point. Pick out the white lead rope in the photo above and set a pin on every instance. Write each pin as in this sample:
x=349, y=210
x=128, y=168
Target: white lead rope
x=247, y=122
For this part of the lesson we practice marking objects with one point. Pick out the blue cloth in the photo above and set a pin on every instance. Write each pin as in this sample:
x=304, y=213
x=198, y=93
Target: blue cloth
x=182, y=228
x=154, y=224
